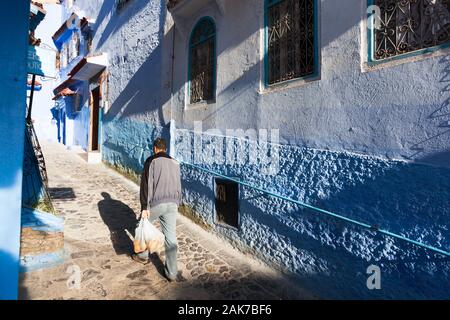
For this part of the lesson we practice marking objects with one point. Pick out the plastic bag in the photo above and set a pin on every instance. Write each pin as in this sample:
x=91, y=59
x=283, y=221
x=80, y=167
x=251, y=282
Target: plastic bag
x=147, y=237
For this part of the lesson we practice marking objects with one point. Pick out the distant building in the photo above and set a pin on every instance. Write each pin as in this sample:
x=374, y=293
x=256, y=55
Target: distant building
x=83, y=82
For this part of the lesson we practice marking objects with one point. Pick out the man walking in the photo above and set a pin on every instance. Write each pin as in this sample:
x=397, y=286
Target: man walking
x=160, y=196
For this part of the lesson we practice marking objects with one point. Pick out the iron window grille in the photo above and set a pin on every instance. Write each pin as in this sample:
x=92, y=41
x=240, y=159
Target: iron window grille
x=291, y=39
x=74, y=46
x=202, y=59
x=77, y=102
x=410, y=25
x=120, y=4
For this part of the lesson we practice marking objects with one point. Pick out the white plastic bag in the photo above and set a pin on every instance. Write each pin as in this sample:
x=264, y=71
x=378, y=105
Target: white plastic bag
x=147, y=237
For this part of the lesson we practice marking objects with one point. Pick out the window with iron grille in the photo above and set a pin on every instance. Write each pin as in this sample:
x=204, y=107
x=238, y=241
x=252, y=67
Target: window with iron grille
x=120, y=4
x=77, y=102
x=74, y=46
x=227, y=202
x=202, y=61
x=291, y=39
x=410, y=25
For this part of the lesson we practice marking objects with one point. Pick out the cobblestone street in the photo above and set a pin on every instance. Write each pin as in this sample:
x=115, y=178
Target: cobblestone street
x=98, y=204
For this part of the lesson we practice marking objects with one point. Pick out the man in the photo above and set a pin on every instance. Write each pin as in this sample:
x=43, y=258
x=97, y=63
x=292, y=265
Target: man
x=160, y=196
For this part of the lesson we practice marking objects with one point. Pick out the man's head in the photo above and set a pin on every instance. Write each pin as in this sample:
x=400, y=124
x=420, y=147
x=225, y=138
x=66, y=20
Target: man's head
x=159, y=145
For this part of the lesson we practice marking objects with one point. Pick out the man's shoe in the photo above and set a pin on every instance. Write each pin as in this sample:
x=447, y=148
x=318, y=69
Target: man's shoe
x=178, y=278
x=136, y=258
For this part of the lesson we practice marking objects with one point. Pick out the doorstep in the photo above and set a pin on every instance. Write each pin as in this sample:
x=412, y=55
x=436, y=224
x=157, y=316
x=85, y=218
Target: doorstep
x=94, y=157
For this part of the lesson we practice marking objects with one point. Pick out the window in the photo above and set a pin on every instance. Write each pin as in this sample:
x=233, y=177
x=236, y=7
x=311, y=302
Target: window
x=77, y=102
x=120, y=4
x=291, y=40
x=227, y=202
x=202, y=61
x=410, y=25
x=74, y=46
x=67, y=52
x=63, y=56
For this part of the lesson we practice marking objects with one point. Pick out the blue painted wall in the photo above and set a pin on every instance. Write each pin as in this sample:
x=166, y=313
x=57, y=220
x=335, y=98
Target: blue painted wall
x=370, y=144
x=13, y=71
x=326, y=255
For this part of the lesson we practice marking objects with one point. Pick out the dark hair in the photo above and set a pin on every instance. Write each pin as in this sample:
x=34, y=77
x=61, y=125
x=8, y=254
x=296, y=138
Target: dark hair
x=160, y=144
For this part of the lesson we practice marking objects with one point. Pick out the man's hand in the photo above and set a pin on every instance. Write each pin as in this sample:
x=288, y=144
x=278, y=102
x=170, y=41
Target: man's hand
x=145, y=214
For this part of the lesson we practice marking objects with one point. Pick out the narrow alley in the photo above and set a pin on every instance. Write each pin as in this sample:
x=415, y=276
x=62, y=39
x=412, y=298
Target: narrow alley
x=312, y=139
x=97, y=205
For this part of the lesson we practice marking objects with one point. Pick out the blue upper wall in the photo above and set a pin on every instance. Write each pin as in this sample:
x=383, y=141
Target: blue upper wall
x=13, y=71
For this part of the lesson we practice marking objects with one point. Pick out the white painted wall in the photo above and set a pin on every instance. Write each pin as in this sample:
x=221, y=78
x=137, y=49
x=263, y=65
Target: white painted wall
x=45, y=129
x=397, y=111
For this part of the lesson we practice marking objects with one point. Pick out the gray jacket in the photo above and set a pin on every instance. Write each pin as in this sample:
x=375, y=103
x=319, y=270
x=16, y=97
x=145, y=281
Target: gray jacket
x=160, y=181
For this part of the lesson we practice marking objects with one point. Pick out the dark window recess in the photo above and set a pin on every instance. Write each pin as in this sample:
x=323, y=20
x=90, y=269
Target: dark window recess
x=227, y=202
x=77, y=102
x=202, y=62
x=291, y=47
x=120, y=4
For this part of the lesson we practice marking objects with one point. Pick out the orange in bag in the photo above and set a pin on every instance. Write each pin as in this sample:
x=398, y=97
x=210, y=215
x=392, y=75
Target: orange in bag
x=138, y=248
x=147, y=236
x=154, y=245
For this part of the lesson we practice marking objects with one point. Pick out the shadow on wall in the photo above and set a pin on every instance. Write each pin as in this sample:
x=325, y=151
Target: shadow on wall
x=135, y=117
x=117, y=19
x=330, y=256
x=118, y=216
x=440, y=121
x=7, y=281
x=141, y=94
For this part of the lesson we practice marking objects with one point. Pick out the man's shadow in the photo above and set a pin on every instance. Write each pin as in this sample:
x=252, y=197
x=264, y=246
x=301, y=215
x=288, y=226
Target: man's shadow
x=118, y=216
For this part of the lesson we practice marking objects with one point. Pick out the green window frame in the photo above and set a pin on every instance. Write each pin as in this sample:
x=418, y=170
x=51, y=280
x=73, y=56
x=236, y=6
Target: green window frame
x=202, y=61
x=406, y=28
x=291, y=44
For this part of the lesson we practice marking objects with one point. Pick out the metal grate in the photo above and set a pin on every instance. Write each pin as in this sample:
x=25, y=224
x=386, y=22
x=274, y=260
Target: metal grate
x=410, y=25
x=120, y=4
x=291, y=47
x=202, y=61
x=35, y=180
x=227, y=202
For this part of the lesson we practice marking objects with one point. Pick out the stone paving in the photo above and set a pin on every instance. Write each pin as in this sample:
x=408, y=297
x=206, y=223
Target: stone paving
x=98, y=204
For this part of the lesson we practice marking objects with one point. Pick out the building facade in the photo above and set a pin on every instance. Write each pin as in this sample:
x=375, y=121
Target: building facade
x=78, y=97
x=304, y=129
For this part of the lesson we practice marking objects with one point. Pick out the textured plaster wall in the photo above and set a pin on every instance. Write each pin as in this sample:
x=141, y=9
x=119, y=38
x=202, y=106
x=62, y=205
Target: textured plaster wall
x=329, y=256
x=344, y=138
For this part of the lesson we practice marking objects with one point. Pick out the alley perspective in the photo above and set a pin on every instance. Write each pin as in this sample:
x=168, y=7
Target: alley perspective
x=98, y=205
x=225, y=150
